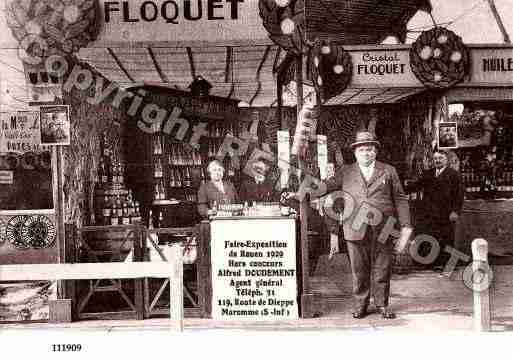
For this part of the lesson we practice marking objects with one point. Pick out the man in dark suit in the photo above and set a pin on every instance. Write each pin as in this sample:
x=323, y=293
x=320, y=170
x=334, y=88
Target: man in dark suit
x=373, y=195
x=441, y=205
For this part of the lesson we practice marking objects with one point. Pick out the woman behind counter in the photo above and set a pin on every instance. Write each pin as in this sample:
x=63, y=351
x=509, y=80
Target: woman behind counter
x=216, y=190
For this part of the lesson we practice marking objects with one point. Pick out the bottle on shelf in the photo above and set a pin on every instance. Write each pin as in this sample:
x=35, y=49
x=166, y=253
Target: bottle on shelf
x=114, y=219
x=121, y=171
x=106, y=210
x=119, y=207
x=103, y=176
x=160, y=223
x=125, y=219
x=203, y=179
x=178, y=178
x=136, y=217
x=187, y=178
x=158, y=171
x=130, y=202
x=157, y=145
x=150, y=220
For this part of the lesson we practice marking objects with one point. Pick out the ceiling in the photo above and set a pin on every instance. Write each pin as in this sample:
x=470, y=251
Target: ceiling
x=243, y=72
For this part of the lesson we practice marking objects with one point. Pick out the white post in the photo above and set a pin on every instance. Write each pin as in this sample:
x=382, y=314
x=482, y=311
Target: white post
x=176, y=285
x=481, y=285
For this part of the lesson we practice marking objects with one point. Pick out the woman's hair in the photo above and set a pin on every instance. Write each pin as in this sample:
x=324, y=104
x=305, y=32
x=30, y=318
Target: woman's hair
x=214, y=163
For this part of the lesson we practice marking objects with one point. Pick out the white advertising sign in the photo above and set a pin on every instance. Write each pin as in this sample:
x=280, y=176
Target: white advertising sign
x=20, y=132
x=254, y=269
x=492, y=66
x=382, y=68
x=182, y=21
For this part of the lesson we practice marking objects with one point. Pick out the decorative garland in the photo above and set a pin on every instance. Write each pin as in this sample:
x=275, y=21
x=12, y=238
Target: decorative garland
x=52, y=27
x=284, y=20
x=439, y=58
x=330, y=68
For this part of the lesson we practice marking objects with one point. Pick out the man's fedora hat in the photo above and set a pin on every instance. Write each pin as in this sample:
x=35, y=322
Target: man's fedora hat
x=364, y=138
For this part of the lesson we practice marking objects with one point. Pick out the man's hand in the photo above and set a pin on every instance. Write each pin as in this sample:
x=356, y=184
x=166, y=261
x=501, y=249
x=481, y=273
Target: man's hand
x=453, y=217
x=333, y=245
x=285, y=196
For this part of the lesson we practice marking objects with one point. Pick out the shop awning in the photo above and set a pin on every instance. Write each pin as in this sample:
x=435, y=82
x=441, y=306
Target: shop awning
x=369, y=96
x=243, y=71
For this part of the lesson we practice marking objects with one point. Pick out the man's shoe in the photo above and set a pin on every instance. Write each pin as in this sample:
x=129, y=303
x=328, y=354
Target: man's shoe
x=386, y=313
x=360, y=313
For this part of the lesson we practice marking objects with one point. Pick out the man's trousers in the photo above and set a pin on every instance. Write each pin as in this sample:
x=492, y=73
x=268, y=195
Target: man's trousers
x=371, y=267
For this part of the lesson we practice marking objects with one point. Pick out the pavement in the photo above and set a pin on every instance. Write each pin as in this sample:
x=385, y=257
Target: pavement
x=423, y=301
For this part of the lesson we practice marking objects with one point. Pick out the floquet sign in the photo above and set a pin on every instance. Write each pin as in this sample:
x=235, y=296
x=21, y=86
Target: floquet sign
x=172, y=11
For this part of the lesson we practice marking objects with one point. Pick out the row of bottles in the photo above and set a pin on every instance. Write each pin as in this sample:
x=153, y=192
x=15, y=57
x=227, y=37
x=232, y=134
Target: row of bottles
x=479, y=182
x=178, y=156
x=217, y=130
x=118, y=211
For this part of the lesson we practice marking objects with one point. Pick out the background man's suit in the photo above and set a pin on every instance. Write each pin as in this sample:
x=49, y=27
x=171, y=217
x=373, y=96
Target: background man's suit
x=442, y=195
x=371, y=259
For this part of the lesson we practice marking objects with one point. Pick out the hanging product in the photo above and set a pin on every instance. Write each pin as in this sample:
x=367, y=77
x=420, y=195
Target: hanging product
x=439, y=58
x=285, y=22
x=330, y=69
x=57, y=28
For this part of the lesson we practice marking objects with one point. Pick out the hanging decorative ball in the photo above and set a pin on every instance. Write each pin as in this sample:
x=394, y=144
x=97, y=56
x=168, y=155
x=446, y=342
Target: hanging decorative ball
x=282, y=3
x=442, y=39
x=285, y=23
x=71, y=13
x=426, y=53
x=62, y=28
x=439, y=58
x=287, y=26
x=325, y=50
x=334, y=69
x=456, y=56
x=33, y=28
x=338, y=69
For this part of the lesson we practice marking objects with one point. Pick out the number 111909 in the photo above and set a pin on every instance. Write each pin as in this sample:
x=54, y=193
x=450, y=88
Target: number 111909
x=66, y=347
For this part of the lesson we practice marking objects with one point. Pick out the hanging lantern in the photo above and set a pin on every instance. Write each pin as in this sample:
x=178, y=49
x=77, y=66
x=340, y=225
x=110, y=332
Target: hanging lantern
x=330, y=69
x=439, y=58
x=284, y=21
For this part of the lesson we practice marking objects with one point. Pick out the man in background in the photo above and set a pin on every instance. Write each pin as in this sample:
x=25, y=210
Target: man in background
x=440, y=206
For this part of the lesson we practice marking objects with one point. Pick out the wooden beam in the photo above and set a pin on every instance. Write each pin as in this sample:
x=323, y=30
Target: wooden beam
x=257, y=77
x=191, y=62
x=77, y=271
x=161, y=73
x=120, y=65
x=498, y=19
x=228, y=67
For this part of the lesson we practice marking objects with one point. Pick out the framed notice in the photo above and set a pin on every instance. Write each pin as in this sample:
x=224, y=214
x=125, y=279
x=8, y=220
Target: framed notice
x=55, y=125
x=447, y=135
x=254, y=273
